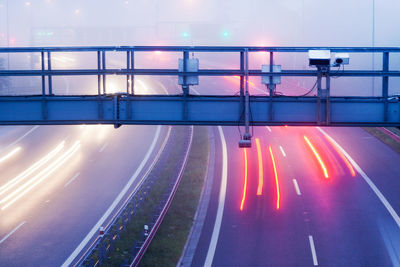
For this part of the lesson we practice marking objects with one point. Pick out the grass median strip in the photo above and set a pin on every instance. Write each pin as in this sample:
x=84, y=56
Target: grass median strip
x=166, y=248
x=159, y=179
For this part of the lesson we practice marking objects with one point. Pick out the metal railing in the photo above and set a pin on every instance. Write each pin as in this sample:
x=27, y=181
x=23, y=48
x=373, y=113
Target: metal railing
x=130, y=71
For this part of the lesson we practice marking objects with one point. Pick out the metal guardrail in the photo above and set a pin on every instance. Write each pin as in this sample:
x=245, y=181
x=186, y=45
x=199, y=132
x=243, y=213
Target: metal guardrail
x=165, y=207
x=100, y=248
x=124, y=213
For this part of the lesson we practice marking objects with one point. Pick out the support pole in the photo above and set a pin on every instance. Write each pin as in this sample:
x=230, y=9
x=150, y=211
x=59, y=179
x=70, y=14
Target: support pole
x=132, y=76
x=185, y=86
x=271, y=86
x=247, y=135
x=246, y=139
x=385, y=84
x=43, y=77
x=103, y=53
x=323, y=95
x=98, y=76
x=49, y=69
x=128, y=66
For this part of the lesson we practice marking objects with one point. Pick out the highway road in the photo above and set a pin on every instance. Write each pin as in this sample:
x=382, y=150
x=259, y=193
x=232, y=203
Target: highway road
x=59, y=183
x=296, y=199
x=301, y=196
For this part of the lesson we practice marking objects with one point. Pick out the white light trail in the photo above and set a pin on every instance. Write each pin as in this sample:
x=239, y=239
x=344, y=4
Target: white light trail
x=41, y=176
x=9, y=155
x=31, y=169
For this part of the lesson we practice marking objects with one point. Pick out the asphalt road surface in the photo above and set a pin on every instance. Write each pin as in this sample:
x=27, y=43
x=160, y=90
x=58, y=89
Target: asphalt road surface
x=331, y=200
x=58, y=183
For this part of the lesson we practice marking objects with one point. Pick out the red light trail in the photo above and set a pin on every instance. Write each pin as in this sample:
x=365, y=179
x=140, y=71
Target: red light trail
x=245, y=180
x=278, y=195
x=260, y=169
x=346, y=161
x=317, y=156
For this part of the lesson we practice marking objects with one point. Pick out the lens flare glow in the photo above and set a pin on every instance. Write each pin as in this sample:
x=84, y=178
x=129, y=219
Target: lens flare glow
x=237, y=79
x=245, y=180
x=278, y=194
x=260, y=169
x=318, y=157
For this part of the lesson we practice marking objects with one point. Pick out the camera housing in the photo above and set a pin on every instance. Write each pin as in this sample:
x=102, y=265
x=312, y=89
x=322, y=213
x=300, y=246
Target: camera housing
x=319, y=57
x=341, y=59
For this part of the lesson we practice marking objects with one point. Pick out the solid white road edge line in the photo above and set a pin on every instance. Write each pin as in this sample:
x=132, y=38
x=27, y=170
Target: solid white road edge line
x=313, y=253
x=296, y=187
x=283, y=151
x=13, y=231
x=384, y=201
x=72, y=179
x=96, y=227
x=221, y=202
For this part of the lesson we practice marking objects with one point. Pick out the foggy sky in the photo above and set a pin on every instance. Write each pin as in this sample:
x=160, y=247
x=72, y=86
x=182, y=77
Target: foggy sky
x=211, y=22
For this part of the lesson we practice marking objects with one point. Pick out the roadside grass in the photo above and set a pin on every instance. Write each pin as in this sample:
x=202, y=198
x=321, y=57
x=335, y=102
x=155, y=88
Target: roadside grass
x=122, y=252
x=167, y=246
x=384, y=137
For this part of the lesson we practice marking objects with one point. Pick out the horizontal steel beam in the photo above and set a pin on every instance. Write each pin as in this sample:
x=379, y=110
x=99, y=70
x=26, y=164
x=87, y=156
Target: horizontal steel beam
x=196, y=110
x=197, y=49
x=203, y=72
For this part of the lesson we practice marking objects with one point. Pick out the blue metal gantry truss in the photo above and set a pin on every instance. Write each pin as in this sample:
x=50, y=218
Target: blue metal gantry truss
x=186, y=109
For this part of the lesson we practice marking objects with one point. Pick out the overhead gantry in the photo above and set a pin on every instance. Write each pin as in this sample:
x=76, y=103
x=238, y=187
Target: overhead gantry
x=271, y=108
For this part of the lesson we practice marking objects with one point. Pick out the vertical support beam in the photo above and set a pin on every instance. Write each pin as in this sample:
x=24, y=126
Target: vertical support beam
x=43, y=77
x=99, y=103
x=242, y=76
x=98, y=76
x=385, y=84
x=328, y=97
x=185, y=87
x=132, y=68
x=103, y=53
x=247, y=135
x=44, y=104
x=323, y=96
x=319, y=88
x=241, y=109
x=49, y=76
x=271, y=87
x=128, y=66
